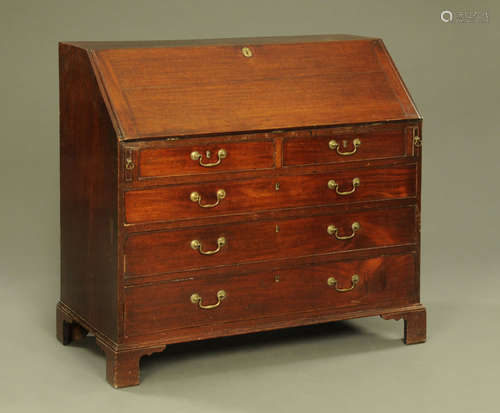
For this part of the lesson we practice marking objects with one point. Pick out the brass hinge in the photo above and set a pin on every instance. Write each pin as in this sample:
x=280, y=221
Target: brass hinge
x=129, y=165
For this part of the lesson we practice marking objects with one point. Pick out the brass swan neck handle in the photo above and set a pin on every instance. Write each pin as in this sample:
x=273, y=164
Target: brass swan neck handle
x=334, y=145
x=356, y=182
x=197, y=156
x=332, y=282
x=196, y=299
x=196, y=197
x=196, y=245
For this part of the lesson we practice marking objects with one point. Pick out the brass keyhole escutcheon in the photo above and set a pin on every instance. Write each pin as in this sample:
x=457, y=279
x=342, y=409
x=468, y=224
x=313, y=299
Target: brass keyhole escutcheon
x=246, y=52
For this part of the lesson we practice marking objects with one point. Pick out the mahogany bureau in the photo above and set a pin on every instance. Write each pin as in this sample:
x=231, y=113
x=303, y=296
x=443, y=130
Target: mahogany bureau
x=220, y=187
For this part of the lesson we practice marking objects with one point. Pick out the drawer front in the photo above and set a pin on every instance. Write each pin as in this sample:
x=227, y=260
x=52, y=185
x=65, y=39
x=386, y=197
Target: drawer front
x=218, y=245
x=376, y=283
x=334, y=146
x=178, y=202
x=205, y=158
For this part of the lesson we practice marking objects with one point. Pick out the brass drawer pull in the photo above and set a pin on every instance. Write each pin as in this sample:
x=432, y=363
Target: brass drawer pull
x=333, y=145
x=196, y=156
x=356, y=182
x=333, y=230
x=196, y=245
x=196, y=299
x=196, y=197
x=332, y=282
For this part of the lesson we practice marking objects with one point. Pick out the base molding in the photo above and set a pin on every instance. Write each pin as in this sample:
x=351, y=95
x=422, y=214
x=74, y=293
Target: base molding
x=415, y=324
x=122, y=364
x=122, y=360
x=67, y=328
x=122, y=367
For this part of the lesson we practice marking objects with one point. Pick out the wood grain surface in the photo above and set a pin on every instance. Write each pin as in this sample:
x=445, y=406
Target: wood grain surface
x=132, y=113
x=383, y=281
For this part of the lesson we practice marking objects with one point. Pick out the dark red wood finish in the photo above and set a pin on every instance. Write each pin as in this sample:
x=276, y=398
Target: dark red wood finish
x=377, y=142
x=89, y=201
x=132, y=114
x=159, y=161
x=170, y=251
x=173, y=203
x=279, y=85
x=387, y=281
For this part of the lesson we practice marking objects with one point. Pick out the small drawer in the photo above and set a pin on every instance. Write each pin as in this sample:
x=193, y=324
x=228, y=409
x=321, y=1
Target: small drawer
x=246, y=242
x=336, y=145
x=165, y=159
x=370, y=283
x=180, y=202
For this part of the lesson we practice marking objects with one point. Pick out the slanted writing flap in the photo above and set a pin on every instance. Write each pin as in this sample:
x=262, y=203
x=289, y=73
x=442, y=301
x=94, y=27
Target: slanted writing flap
x=156, y=91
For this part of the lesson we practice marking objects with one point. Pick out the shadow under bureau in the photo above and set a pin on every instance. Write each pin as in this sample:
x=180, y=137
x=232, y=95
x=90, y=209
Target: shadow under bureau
x=220, y=187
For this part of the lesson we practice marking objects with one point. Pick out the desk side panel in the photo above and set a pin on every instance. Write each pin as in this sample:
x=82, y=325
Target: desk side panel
x=88, y=190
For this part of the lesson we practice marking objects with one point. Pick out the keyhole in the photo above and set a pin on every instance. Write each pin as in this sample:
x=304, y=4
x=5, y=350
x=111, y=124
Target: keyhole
x=246, y=52
x=208, y=154
x=344, y=143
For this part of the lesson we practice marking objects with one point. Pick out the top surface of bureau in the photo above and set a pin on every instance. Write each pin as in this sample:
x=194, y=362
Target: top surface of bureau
x=183, y=89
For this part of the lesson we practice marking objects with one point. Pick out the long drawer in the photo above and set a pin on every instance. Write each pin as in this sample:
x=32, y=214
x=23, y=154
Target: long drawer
x=238, y=243
x=178, y=202
x=376, y=283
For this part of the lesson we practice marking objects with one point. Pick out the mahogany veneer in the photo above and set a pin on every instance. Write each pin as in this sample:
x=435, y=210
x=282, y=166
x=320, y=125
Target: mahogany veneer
x=173, y=202
x=220, y=187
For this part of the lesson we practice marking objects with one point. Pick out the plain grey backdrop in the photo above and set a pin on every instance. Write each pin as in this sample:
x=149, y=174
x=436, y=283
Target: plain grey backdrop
x=452, y=71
